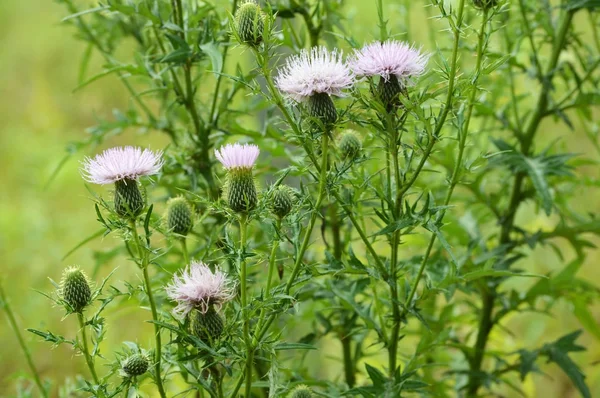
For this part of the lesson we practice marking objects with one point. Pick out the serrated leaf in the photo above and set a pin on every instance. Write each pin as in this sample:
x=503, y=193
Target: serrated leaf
x=293, y=346
x=376, y=376
x=215, y=56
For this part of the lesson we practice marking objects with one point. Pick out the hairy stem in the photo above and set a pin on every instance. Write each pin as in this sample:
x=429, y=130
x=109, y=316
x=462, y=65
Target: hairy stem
x=85, y=349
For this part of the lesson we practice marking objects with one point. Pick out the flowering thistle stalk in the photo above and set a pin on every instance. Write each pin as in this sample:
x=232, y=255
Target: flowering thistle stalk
x=240, y=189
x=395, y=62
x=123, y=166
x=200, y=294
x=312, y=77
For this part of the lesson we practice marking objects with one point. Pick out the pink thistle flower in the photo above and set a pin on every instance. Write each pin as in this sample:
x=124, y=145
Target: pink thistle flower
x=389, y=58
x=198, y=288
x=121, y=163
x=315, y=72
x=237, y=156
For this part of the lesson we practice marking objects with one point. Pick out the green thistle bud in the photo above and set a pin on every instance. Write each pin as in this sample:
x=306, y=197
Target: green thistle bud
x=207, y=327
x=75, y=289
x=240, y=190
x=389, y=92
x=349, y=145
x=135, y=365
x=301, y=391
x=281, y=201
x=321, y=106
x=179, y=216
x=129, y=201
x=249, y=23
x=485, y=4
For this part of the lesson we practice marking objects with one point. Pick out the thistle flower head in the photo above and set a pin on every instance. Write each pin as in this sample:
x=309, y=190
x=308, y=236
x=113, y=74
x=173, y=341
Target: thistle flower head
x=237, y=156
x=301, y=391
x=199, y=288
x=318, y=71
x=390, y=58
x=135, y=365
x=121, y=163
x=75, y=289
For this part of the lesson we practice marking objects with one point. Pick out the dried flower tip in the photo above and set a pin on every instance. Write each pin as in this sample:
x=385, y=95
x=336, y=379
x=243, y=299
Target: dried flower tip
x=318, y=71
x=282, y=201
x=249, y=23
x=135, y=365
x=129, y=201
x=301, y=391
x=199, y=288
x=349, y=145
x=208, y=326
x=387, y=59
x=121, y=163
x=179, y=216
x=75, y=289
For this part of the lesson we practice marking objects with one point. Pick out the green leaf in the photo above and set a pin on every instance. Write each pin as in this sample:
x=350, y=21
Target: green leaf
x=293, y=346
x=397, y=225
x=216, y=58
x=535, y=170
x=482, y=273
x=586, y=318
x=579, y=4
x=83, y=242
x=376, y=376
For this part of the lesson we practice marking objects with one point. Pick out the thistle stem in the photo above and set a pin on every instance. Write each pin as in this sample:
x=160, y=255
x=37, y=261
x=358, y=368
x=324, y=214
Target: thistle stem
x=85, y=349
x=245, y=310
x=13, y=324
x=148, y=288
x=184, y=250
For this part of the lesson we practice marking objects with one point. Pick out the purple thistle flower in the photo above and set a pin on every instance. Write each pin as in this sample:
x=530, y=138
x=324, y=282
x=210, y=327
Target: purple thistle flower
x=121, y=163
x=389, y=58
x=319, y=71
x=237, y=156
x=198, y=288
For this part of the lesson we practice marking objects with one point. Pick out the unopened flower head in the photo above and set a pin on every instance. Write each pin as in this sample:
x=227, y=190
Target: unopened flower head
x=199, y=288
x=387, y=59
x=121, y=163
x=236, y=156
x=318, y=71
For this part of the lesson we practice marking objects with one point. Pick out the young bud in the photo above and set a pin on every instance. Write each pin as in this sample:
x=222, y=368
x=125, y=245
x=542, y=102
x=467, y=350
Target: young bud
x=321, y=106
x=135, y=365
x=75, y=289
x=301, y=391
x=207, y=327
x=249, y=23
x=129, y=201
x=349, y=145
x=485, y=4
x=179, y=216
x=281, y=201
x=241, y=190
x=389, y=91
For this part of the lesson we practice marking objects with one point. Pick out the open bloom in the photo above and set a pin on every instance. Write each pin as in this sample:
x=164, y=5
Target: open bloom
x=199, y=288
x=318, y=71
x=234, y=156
x=121, y=163
x=391, y=58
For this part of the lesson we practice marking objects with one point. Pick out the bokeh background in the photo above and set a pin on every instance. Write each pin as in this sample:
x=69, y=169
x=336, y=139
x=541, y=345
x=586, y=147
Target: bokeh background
x=41, y=219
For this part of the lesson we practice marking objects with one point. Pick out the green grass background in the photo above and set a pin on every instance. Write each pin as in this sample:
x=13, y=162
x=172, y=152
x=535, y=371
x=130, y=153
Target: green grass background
x=40, y=114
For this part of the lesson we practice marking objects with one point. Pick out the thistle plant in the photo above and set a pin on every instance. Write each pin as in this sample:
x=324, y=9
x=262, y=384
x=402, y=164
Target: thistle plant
x=401, y=193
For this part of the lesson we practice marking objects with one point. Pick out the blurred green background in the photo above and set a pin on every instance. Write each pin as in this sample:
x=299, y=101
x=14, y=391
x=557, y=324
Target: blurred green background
x=39, y=224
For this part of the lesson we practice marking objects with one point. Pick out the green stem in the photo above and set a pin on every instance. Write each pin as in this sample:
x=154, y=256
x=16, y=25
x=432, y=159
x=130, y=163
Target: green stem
x=346, y=341
x=13, y=324
x=184, y=250
x=143, y=255
x=85, y=349
x=245, y=310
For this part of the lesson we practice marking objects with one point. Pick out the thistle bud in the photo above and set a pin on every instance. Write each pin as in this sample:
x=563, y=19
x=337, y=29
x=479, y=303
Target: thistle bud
x=321, y=107
x=485, y=4
x=301, y=391
x=129, y=201
x=249, y=23
x=75, y=289
x=179, y=216
x=207, y=326
x=135, y=365
x=389, y=92
x=349, y=145
x=240, y=189
x=281, y=201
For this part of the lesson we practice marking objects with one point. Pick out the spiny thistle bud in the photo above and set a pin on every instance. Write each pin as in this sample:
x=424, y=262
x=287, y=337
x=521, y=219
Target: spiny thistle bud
x=321, y=106
x=349, y=145
x=281, y=201
x=485, y=4
x=388, y=92
x=240, y=189
x=75, y=289
x=129, y=201
x=301, y=391
x=135, y=365
x=207, y=326
x=249, y=23
x=179, y=216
